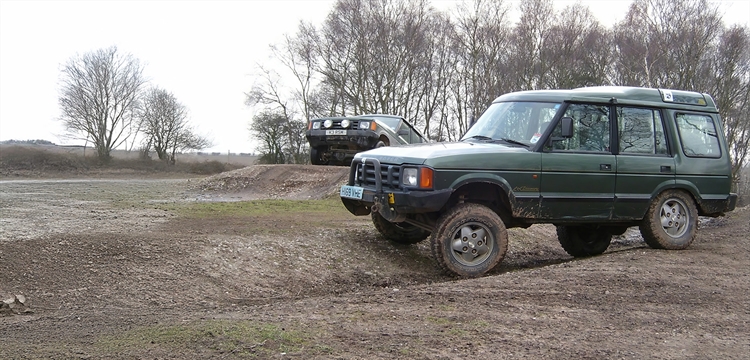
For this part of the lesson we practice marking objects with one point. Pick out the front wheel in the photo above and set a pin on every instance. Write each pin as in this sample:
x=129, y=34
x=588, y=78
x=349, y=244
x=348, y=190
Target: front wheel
x=671, y=222
x=581, y=241
x=469, y=240
x=315, y=156
x=399, y=233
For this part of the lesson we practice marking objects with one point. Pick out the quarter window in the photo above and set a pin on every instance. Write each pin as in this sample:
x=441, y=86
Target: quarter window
x=698, y=135
x=641, y=131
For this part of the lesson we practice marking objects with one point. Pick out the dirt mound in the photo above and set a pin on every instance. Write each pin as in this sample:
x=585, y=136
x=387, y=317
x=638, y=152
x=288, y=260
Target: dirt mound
x=134, y=268
x=272, y=182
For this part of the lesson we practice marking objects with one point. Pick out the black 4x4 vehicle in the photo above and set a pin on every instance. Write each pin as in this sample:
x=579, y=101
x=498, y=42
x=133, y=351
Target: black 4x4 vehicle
x=337, y=139
x=593, y=161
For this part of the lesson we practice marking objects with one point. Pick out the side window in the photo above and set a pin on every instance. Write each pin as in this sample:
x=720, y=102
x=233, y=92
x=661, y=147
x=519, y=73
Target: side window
x=590, y=129
x=698, y=135
x=404, y=132
x=641, y=131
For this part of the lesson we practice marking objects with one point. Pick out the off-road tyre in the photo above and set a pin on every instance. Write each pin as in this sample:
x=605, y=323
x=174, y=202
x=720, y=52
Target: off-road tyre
x=469, y=240
x=582, y=241
x=671, y=221
x=400, y=233
x=315, y=157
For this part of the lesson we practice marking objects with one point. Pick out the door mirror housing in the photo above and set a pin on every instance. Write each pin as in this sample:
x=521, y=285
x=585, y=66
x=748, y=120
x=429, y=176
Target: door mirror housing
x=567, y=127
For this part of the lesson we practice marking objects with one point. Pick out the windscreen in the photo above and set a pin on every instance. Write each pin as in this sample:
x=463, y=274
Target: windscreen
x=513, y=122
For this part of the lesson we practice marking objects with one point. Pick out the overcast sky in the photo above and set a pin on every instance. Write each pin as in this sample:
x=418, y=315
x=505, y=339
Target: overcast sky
x=204, y=52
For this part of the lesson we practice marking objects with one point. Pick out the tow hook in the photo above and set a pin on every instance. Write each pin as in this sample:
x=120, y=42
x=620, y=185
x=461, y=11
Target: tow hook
x=386, y=211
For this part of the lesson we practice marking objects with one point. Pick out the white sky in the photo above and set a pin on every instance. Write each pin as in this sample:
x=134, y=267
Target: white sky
x=204, y=52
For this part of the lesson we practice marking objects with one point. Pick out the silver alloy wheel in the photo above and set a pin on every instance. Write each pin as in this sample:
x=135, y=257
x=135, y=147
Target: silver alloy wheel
x=472, y=244
x=674, y=218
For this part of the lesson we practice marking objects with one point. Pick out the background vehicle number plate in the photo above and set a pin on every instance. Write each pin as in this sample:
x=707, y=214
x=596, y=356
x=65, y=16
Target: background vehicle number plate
x=335, y=132
x=352, y=192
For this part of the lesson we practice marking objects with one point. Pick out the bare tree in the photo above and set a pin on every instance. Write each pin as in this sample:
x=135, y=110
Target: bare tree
x=530, y=37
x=438, y=72
x=268, y=128
x=270, y=94
x=373, y=56
x=164, y=122
x=99, y=97
x=299, y=55
x=481, y=48
x=188, y=139
x=578, y=51
x=666, y=43
x=731, y=90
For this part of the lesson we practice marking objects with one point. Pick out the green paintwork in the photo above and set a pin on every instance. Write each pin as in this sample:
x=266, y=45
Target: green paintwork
x=545, y=183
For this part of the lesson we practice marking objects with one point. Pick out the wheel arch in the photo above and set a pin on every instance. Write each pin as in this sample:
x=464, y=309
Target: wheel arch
x=385, y=139
x=491, y=191
x=693, y=191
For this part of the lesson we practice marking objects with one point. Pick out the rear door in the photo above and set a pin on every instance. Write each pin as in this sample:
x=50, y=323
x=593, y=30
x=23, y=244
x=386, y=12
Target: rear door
x=644, y=163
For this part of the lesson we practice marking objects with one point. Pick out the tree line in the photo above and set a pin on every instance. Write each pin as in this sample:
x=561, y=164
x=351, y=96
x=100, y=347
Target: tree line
x=105, y=100
x=440, y=70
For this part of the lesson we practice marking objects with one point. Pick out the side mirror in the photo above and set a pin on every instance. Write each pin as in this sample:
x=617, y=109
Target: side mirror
x=567, y=127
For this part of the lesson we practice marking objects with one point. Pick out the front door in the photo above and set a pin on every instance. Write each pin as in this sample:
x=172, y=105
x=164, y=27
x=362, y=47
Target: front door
x=578, y=173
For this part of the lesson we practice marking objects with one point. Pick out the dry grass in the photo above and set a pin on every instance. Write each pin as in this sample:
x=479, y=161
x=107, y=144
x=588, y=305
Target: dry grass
x=43, y=160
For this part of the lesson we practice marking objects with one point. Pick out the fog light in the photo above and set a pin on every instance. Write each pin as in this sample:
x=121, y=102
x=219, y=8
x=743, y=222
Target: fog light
x=328, y=123
x=344, y=123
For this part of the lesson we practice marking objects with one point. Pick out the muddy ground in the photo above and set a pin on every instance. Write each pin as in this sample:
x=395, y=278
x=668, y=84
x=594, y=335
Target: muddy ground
x=130, y=267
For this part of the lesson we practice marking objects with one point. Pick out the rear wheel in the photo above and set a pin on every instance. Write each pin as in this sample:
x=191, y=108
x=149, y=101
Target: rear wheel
x=400, y=233
x=581, y=241
x=469, y=240
x=671, y=222
x=380, y=144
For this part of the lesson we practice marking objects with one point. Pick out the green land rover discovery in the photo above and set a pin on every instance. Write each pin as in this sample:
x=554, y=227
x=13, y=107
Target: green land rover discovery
x=592, y=161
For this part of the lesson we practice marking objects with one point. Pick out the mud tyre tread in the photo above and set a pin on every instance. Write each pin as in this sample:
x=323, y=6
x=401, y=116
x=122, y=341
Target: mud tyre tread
x=579, y=241
x=652, y=229
x=399, y=233
x=461, y=216
x=315, y=158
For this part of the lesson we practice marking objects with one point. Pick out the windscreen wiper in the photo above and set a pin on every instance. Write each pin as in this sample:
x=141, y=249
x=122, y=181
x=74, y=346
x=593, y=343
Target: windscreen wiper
x=480, y=137
x=514, y=142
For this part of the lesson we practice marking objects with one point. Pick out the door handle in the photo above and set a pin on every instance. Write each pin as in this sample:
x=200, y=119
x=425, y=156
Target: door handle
x=666, y=169
x=605, y=167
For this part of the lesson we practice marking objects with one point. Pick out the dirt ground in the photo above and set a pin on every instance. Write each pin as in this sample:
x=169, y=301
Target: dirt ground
x=130, y=267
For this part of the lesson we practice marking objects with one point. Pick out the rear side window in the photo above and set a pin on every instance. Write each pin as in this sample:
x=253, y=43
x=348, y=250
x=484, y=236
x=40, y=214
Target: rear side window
x=698, y=135
x=641, y=131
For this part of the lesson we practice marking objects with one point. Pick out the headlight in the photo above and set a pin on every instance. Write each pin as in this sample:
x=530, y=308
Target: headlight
x=328, y=123
x=364, y=124
x=316, y=125
x=344, y=123
x=410, y=176
x=417, y=177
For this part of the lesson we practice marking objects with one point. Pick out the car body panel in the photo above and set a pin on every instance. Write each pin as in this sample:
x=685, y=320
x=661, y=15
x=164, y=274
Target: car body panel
x=543, y=182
